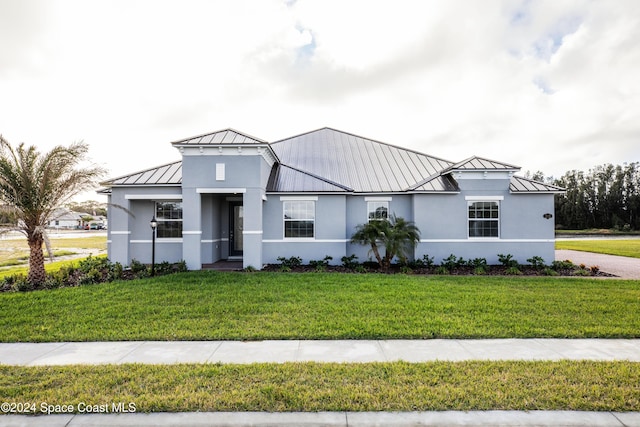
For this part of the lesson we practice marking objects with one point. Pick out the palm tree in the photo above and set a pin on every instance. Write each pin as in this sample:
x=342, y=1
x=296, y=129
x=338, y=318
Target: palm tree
x=35, y=184
x=397, y=235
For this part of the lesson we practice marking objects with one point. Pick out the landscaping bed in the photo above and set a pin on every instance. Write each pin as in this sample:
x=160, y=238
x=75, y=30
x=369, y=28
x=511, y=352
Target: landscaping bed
x=449, y=266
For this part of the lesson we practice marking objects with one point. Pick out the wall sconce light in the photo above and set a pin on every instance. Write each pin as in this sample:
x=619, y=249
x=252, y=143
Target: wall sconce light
x=547, y=216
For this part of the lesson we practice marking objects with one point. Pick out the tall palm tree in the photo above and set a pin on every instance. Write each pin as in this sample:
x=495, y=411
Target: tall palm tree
x=397, y=235
x=35, y=184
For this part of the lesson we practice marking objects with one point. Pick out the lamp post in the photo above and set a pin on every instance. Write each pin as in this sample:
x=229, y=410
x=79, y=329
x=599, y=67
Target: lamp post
x=154, y=225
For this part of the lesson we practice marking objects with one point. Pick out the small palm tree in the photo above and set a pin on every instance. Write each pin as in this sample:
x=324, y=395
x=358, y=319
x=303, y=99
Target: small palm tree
x=397, y=235
x=35, y=184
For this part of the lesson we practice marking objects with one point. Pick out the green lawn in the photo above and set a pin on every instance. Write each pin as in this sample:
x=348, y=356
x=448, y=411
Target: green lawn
x=398, y=386
x=629, y=248
x=256, y=306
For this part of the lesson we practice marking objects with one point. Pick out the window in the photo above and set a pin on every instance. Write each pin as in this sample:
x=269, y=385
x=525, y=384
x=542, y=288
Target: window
x=299, y=219
x=377, y=210
x=484, y=219
x=169, y=217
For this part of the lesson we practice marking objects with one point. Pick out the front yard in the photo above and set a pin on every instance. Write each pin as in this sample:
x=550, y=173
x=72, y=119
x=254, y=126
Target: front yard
x=259, y=306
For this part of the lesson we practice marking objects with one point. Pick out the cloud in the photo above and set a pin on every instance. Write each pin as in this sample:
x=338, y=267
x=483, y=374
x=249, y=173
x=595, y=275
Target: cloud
x=546, y=85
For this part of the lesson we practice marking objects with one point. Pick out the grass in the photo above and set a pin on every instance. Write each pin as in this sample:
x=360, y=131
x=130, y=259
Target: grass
x=257, y=306
x=628, y=248
x=49, y=267
x=15, y=252
x=397, y=386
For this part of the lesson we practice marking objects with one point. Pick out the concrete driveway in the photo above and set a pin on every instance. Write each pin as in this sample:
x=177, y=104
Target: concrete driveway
x=623, y=267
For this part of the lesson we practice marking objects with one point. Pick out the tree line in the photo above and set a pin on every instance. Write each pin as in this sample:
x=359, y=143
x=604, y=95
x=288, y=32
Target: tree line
x=606, y=196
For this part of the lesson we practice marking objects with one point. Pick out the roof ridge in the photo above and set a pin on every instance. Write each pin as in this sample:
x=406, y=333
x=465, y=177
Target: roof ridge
x=220, y=131
x=313, y=175
x=474, y=157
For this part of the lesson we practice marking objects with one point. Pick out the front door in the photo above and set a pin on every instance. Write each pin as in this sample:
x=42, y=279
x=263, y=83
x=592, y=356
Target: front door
x=236, y=217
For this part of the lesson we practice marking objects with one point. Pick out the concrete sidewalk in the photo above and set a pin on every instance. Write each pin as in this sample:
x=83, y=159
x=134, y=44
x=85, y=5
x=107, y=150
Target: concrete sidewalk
x=349, y=351
x=335, y=419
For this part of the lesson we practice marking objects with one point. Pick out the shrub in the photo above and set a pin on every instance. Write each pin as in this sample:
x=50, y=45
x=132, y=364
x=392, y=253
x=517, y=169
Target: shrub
x=249, y=269
x=513, y=271
x=350, y=262
x=452, y=262
x=405, y=269
x=594, y=270
x=320, y=265
x=291, y=262
x=562, y=265
x=441, y=270
x=536, y=262
x=549, y=272
x=507, y=260
x=137, y=267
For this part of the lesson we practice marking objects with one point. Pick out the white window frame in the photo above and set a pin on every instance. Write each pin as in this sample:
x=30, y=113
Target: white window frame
x=372, y=206
x=162, y=220
x=470, y=201
x=288, y=200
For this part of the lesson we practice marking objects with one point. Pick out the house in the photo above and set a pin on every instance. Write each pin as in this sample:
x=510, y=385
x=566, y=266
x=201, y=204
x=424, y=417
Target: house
x=66, y=219
x=234, y=196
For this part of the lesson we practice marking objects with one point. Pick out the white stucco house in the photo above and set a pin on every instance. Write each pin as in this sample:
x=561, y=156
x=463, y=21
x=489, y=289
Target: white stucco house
x=234, y=196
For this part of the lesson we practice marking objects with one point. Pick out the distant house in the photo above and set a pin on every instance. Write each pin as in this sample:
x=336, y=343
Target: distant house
x=233, y=196
x=66, y=219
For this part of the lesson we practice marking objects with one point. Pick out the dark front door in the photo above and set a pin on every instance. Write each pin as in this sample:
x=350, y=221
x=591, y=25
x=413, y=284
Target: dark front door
x=236, y=217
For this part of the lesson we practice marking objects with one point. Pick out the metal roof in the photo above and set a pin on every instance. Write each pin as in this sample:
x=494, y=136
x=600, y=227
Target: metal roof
x=525, y=185
x=170, y=174
x=361, y=164
x=480, y=163
x=287, y=179
x=221, y=137
x=328, y=160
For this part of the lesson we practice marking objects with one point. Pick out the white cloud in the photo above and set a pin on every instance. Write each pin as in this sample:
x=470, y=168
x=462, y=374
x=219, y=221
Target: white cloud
x=547, y=85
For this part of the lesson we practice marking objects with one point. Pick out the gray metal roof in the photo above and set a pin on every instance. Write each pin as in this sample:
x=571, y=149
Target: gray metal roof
x=328, y=160
x=170, y=174
x=480, y=163
x=224, y=137
x=361, y=164
x=525, y=185
x=287, y=179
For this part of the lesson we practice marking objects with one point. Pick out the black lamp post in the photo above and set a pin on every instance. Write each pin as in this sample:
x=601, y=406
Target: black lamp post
x=154, y=225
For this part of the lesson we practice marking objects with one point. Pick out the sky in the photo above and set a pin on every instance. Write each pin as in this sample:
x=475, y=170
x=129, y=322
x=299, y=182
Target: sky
x=548, y=86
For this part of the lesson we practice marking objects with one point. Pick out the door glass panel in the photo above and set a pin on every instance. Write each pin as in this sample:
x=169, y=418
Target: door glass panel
x=238, y=220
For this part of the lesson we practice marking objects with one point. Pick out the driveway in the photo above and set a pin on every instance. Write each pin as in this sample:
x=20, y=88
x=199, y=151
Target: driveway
x=623, y=267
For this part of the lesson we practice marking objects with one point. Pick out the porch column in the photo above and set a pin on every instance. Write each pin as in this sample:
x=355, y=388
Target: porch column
x=191, y=228
x=252, y=233
x=119, y=231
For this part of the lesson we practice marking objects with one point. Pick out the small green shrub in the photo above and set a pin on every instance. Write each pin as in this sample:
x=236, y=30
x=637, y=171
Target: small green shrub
x=562, y=265
x=513, y=271
x=350, y=262
x=507, y=260
x=442, y=270
x=452, y=262
x=536, y=262
x=360, y=269
x=249, y=269
x=294, y=261
x=582, y=272
x=320, y=265
x=405, y=269
x=137, y=267
x=549, y=272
